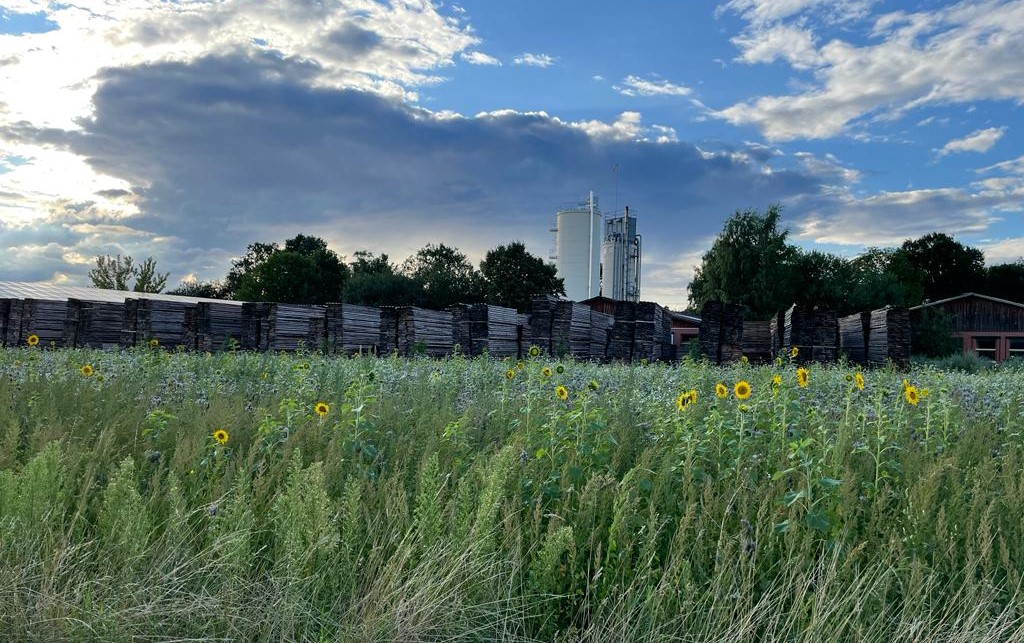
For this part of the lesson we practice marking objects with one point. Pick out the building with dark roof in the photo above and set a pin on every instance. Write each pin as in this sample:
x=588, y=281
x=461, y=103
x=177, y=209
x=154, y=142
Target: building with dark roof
x=988, y=326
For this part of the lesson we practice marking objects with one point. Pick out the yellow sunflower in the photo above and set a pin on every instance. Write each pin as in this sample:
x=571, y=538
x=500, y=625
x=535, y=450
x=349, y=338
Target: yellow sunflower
x=925, y=393
x=86, y=370
x=220, y=435
x=793, y=352
x=154, y=343
x=321, y=409
x=721, y=390
x=510, y=374
x=534, y=351
x=33, y=340
x=546, y=372
x=911, y=395
x=744, y=359
x=778, y=361
x=519, y=366
x=686, y=398
x=858, y=379
x=562, y=393
x=776, y=380
x=802, y=377
x=742, y=390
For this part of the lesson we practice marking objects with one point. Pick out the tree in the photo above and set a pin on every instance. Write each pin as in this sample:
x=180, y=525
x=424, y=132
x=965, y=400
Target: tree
x=825, y=280
x=881, y=277
x=446, y=276
x=197, y=288
x=512, y=277
x=306, y=271
x=376, y=282
x=944, y=266
x=114, y=273
x=1006, y=281
x=749, y=263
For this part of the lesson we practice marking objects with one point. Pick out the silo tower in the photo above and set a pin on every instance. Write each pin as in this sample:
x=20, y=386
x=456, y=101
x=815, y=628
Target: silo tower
x=578, y=235
x=620, y=259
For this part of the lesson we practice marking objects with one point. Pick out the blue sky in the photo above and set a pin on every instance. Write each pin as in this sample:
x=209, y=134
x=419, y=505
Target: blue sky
x=187, y=130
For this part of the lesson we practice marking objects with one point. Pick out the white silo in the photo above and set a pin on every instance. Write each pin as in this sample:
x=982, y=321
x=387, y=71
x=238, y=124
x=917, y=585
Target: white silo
x=578, y=235
x=620, y=259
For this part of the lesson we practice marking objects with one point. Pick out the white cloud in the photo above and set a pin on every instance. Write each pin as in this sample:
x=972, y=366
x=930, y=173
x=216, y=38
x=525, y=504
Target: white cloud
x=1013, y=166
x=764, y=11
x=636, y=86
x=1004, y=251
x=978, y=141
x=534, y=60
x=767, y=44
x=480, y=58
x=828, y=167
x=966, y=52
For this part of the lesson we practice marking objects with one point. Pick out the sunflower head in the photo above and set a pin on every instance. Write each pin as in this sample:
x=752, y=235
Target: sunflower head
x=858, y=380
x=510, y=374
x=561, y=393
x=221, y=436
x=721, y=390
x=86, y=370
x=321, y=409
x=776, y=380
x=802, y=377
x=154, y=343
x=534, y=351
x=925, y=393
x=559, y=369
x=546, y=371
x=778, y=361
x=793, y=352
x=32, y=340
x=686, y=398
x=911, y=395
x=742, y=389
x=744, y=359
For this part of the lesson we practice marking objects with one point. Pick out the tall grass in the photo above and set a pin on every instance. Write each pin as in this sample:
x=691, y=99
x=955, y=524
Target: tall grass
x=462, y=500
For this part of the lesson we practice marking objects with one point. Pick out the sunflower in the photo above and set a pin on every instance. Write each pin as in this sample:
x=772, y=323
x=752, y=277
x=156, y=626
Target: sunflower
x=744, y=359
x=534, y=351
x=546, y=372
x=321, y=409
x=776, y=380
x=519, y=366
x=742, y=390
x=510, y=374
x=33, y=340
x=858, y=379
x=686, y=398
x=802, y=377
x=559, y=369
x=778, y=361
x=721, y=390
x=793, y=352
x=86, y=370
x=220, y=435
x=925, y=393
x=911, y=395
x=154, y=343
x=561, y=393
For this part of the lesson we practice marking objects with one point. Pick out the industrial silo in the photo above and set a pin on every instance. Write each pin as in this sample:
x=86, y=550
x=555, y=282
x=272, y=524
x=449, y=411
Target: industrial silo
x=578, y=235
x=620, y=259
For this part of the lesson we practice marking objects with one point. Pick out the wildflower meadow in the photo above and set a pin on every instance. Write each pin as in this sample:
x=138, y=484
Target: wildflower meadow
x=157, y=496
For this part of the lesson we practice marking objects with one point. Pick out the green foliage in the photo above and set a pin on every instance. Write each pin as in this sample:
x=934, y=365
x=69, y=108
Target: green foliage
x=445, y=275
x=513, y=277
x=943, y=266
x=376, y=282
x=1006, y=281
x=114, y=273
x=198, y=288
x=306, y=271
x=442, y=500
x=933, y=334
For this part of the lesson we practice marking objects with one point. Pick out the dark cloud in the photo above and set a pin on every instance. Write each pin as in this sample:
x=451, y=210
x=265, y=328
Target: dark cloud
x=354, y=40
x=228, y=150
x=114, y=193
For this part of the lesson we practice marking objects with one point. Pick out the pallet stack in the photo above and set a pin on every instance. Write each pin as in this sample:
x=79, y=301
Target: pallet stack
x=414, y=331
x=623, y=332
x=5, y=312
x=813, y=331
x=776, y=329
x=889, y=337
x=601, y=325
x=41, y=317
x=352, y=329
x=282, y=327
x=542, y=320
x=170, y=323
x=93, y=324
x=570, y=330
x=757, y=341
x=854, y=333
x=485, y=329
x=217, y=326
x=652, y=330
x=721, y=332
x=525, y=334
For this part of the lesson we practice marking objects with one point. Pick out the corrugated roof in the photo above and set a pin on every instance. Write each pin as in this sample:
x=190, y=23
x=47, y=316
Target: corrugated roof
x=969, y=294
x=41, y=290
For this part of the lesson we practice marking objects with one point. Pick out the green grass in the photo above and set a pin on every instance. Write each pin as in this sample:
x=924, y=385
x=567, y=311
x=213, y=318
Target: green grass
x=444, y=501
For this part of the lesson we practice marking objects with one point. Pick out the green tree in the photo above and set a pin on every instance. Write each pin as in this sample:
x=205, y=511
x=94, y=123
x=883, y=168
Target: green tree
x=945, y=267
x=1006, y=281
x=376, y=282
x=881, y=277
x=198, y=288
x=824, y=280
x=306, y=271
x=255, y=255
x=114, y=273
x=512, y=276
x=445, y=275
x=749, y=263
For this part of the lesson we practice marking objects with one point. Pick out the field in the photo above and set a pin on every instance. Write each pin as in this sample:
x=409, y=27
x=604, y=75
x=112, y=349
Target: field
x=151, y=496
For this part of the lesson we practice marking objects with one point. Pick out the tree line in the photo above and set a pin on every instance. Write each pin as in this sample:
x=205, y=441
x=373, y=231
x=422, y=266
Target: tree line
x=753, y=264
x=306, y=271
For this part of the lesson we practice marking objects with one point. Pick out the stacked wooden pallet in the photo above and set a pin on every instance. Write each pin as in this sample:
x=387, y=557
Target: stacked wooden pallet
x=93, y=324
x=826, y=336
x=757, y=341
x=776, y=327
x=170, y=323
x=542, y=320
x=5, y=312
x=721, y=332
x=217, y=326
x=652, y=330
x=623, y=332
x=417, y=331
x=854, y=333
x=352, y=329
x=813, y=331
x=282, y=327
x=43, y=318
x=601, y=325
x=889, y=337
x=485, y=329
x=570, y=330
x=525, y=334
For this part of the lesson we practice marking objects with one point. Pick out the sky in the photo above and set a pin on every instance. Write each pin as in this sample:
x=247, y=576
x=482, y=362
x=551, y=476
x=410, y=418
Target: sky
x=186, y=130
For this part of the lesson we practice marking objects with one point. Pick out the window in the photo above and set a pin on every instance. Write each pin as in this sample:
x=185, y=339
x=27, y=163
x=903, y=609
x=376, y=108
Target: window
x=986, y=347
x=1016, y=347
